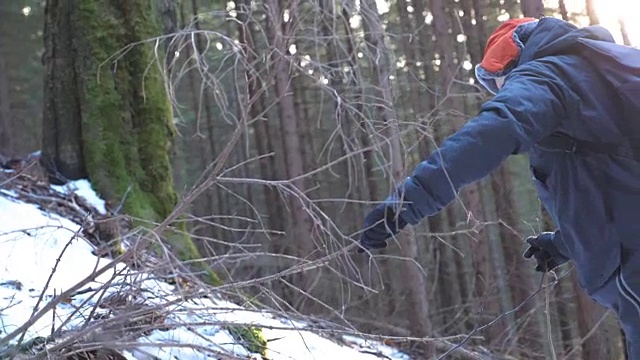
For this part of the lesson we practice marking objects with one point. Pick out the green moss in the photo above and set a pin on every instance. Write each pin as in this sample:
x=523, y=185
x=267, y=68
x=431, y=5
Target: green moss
x=108, y=127
x=250, y=337
x=127, y=118
x=212, y=278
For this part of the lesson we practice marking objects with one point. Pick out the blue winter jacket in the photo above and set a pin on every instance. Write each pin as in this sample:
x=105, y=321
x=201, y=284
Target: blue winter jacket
x=594, y=198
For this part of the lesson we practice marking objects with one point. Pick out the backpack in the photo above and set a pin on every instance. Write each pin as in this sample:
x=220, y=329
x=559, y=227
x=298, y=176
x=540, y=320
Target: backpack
x=620, y=66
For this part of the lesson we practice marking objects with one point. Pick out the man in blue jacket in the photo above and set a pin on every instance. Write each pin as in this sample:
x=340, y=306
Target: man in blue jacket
x=568, y=97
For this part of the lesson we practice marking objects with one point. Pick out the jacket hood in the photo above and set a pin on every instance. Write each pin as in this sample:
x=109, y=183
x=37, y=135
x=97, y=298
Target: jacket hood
x=554, y=36
x=518, y=41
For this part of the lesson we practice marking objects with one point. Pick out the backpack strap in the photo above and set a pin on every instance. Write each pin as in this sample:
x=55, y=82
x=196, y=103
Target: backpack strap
x=559, y=142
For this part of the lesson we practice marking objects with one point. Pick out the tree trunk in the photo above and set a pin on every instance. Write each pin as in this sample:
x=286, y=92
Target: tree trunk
x=567, y=318
x=473, y=41
x=562, y=9
x=479, y=11
x=109, y=122
x=168, y=16
x=343, y=117
x=414, y=280
x=301, y=225
x=532, y=8
x=203, y=205
x=254, y=110
x=449, y=218
x=447, y=287
x=624, y=32
x=348, y=179
x=591, y=12
x=512, y=7
x=62, y=148
x=6, y=146
x=484, y=276
x=370, y=190
x=570, y=312
x=590, y=314
x=447, y=67
x=433, y=255
x=214, y=198
x=500, y=256
x=520, y=281
x=21, y=75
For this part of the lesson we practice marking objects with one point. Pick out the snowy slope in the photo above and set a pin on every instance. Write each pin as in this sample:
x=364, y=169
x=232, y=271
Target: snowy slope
x=35, y=244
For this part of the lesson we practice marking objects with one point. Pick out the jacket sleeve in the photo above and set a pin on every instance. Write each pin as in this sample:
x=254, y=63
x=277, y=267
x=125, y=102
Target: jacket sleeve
x=528, y=107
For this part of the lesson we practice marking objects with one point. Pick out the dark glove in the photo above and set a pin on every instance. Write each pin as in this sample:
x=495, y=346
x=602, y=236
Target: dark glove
x=380, y=224
x=545, y=252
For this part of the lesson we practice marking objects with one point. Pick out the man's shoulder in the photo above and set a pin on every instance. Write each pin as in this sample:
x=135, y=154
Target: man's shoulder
x=567, y=69
x=559, y=63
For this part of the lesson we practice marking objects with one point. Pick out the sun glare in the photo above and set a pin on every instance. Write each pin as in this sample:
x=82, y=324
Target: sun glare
x=610, y=12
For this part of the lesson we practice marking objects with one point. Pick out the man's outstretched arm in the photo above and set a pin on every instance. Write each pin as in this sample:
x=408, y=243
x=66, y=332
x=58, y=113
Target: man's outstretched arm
x=528, y=108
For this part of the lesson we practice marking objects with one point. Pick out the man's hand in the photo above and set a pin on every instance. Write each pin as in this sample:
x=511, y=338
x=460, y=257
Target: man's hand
x=380, y=224
x=544, y=251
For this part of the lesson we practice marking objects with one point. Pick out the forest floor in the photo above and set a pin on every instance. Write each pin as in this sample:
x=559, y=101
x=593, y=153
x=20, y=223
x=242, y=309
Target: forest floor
x=124, y=313
x=55, y=304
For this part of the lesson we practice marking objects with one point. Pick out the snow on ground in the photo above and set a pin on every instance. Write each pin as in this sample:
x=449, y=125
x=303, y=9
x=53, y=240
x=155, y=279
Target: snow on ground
x=83, y=189
x=35, y=244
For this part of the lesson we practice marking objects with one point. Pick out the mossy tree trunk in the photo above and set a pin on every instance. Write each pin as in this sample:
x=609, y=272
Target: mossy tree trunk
x=107, y=116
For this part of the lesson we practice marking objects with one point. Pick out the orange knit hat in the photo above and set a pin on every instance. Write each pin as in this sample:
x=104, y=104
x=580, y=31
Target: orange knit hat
x=503, y=48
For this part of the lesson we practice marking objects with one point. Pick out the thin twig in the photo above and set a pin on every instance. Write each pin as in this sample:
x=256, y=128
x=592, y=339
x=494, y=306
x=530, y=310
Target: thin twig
x=49, y=278
x=477, y=329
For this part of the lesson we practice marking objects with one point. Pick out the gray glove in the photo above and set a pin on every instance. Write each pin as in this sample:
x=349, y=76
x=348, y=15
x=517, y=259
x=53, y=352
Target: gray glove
x=546, y=253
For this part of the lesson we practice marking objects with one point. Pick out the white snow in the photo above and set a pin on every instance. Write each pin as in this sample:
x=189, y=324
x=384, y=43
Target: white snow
x=83, y=189
x=32, y=242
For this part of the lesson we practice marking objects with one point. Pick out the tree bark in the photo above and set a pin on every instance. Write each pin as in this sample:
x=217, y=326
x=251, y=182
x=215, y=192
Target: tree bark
x=62, y=148
x=479, y=11
x=301, y=225
x=21, y=76
x=623, y=32
x=110, y=122
x=6, y=145
x=370, y=189
x=414, y=281
x=484, y=276
x=562, y=9
x=448, y=293
x=591, y=12
x=520, y=281
x=213, y=201
x=449, y=218
x=532, y=8
x=590, y=314
x=475, y=46
x=444, y=45
x=567, y=318
x=203, y=205
x=348, y=176
x=168, y=15
x=499, y=259
x=254, y=110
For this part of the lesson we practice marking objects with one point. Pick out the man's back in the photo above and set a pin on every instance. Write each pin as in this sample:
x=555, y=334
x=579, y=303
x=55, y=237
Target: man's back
x=591, y=194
